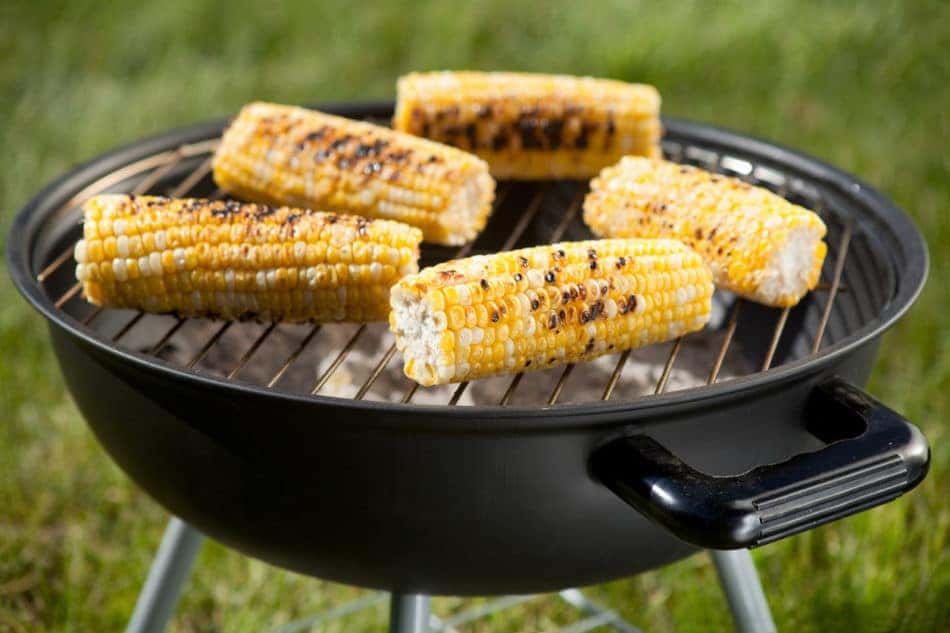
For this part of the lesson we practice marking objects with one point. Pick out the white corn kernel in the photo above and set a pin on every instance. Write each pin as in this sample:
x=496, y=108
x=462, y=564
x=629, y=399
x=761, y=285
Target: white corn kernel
x=119, y=270
x=155, y=263
x=535, y=278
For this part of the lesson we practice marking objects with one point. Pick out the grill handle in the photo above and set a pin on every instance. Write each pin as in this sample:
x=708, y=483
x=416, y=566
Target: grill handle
x=873, y=455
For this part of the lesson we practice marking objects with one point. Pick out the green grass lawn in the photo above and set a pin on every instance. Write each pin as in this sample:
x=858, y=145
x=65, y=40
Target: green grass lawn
x=866, y=88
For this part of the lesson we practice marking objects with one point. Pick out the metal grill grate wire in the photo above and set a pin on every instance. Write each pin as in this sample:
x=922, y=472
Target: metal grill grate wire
x=160, y=166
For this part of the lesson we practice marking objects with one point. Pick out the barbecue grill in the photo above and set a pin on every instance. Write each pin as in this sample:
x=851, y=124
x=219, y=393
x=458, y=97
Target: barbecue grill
x=304, y=446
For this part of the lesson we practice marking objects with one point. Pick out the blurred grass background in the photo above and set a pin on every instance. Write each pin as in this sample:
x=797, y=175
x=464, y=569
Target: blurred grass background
x=865, y=87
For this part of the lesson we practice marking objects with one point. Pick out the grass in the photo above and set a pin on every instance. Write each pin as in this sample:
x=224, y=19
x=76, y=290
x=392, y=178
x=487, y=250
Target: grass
x=863, y=87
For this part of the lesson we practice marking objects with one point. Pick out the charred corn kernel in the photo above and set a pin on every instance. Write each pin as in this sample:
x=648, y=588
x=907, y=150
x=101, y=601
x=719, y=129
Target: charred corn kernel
x=253, y=270
x=586, y=299
x=285, y=155
x=759, y=245
x=531, y=126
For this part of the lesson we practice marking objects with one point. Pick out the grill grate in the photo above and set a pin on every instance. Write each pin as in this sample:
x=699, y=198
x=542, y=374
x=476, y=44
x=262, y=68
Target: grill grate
x=818, y=319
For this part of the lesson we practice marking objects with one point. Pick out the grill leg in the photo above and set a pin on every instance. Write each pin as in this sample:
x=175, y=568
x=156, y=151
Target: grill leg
x=166, y=577
x=743, y=590
x=408, y=613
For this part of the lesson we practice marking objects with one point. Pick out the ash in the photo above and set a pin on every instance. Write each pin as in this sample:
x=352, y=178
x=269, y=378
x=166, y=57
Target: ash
x=267, y=364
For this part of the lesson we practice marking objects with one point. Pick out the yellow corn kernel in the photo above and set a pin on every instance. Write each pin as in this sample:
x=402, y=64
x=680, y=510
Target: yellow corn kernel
x=759, y=245
x=582, y=306
x=286, y=155
x=532, y=126
x=253, y=271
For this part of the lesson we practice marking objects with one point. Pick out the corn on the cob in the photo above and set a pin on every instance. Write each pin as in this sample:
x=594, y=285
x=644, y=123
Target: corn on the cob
x=531, y=126
x=235, y=261
x=285, y=155
x=537, y=307
x=759, y=245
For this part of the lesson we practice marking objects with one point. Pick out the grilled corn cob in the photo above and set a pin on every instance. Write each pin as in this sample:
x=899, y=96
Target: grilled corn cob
x=285, y=155
x=537, y=307
x=759, y=245
x=235, y=261
x=531, y=126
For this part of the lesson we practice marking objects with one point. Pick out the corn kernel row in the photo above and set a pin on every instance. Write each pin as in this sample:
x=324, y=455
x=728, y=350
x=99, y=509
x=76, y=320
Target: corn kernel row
x=537, y=307
x=284, y=155
x=234, y=261
x=531, y=126
x=758, y=244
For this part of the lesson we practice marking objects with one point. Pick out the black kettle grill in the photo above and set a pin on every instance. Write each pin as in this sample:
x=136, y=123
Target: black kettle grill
x=305, y=447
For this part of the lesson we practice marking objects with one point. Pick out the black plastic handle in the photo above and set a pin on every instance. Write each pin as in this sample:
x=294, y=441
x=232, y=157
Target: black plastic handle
x=883, y=456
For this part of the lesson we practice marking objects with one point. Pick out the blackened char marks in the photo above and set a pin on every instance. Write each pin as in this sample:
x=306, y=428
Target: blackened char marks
x=582, y=141
x=311, y=138
x=527, y=129
x=451, y=112
x=554, y=132
x=263, y=211
x=398, y=156
x=317, y=134
x=370, y=149
x=341, y=142
x=501, y=140
x=471, y=133
x=609, y=131
x=228, y=209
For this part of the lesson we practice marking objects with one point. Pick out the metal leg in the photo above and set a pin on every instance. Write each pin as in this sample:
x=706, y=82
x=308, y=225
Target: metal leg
x=744, y=592
x=408, y=613
x=169, y=571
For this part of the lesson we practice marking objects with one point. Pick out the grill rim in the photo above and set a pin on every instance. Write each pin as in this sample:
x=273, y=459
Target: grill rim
x=910, y=275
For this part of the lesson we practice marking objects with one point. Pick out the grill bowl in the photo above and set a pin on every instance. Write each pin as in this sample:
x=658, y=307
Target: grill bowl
x=480, y=499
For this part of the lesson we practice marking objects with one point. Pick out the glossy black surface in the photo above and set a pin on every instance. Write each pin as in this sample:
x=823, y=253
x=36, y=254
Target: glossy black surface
x=873, y=455
x=438, y=499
